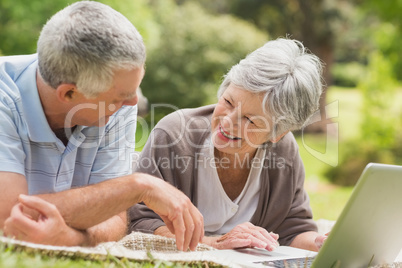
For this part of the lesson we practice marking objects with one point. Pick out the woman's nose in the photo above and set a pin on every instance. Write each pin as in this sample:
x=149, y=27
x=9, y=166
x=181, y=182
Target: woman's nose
x=231, y=119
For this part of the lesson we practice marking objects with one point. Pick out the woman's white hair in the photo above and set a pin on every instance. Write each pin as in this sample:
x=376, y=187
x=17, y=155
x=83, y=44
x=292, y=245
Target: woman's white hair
x=84, y=43
x=288, y=76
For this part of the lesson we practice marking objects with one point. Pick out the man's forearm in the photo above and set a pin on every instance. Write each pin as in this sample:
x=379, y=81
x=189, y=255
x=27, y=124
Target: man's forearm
x=112, y=229
x=87, y=206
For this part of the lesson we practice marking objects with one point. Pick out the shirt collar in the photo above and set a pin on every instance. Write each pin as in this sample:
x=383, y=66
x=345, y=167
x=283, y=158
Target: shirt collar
x=38, y=127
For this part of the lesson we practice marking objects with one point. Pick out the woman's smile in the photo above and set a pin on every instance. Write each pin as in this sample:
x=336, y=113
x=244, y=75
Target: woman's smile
x=226, y=135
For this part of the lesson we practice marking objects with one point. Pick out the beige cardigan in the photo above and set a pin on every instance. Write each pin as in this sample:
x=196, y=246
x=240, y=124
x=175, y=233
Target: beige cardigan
x=171, y=154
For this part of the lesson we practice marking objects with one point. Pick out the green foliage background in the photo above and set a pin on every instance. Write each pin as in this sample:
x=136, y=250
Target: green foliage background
x=192, y=44
x=191, y=51
x=21, y=22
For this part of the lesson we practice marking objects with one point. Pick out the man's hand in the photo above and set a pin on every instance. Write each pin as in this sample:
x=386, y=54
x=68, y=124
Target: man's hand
x=181, y=217
x=245, y=235
x=49, y=228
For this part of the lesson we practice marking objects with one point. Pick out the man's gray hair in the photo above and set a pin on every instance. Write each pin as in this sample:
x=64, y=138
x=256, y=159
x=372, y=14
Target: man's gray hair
x=288, y=76
x=84, y=43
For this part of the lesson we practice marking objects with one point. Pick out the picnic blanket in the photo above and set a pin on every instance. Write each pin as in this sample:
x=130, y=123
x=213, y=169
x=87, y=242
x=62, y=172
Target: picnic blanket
x=137, y=247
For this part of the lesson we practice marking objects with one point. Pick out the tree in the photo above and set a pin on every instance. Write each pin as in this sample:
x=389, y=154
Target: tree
x=192, y=51
x=314, y=22
x=389, y=11
x=21, y=22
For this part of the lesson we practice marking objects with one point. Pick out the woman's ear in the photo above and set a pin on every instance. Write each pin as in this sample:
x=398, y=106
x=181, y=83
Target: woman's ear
x=278, y=138
x=66, y=92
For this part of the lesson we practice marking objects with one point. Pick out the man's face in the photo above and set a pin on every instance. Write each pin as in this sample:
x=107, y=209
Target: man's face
x=97, y=111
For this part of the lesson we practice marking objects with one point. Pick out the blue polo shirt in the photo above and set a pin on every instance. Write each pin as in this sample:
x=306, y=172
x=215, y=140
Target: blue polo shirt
x=29, y=147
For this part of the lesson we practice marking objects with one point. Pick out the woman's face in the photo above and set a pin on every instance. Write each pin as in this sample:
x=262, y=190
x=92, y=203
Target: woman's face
x=239, y=124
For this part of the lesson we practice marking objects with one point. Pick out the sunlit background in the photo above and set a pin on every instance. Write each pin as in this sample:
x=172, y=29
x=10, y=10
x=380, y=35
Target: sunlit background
x=192, y=44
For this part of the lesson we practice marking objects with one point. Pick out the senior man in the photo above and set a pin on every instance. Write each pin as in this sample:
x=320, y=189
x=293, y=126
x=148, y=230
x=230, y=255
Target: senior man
x=67, y=125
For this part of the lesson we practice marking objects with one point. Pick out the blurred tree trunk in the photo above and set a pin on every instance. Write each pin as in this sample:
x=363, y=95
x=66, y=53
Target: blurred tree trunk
x=320, y=42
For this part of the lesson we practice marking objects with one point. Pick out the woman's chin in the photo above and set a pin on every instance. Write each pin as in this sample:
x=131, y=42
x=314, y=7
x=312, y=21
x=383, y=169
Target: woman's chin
x=227, y=147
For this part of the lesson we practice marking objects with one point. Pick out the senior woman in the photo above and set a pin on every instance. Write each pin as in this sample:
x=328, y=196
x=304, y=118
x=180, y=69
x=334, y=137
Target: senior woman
x=237, y=160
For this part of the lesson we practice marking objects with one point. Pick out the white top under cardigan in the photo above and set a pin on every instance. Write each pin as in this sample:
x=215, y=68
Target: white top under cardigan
x=220, y=213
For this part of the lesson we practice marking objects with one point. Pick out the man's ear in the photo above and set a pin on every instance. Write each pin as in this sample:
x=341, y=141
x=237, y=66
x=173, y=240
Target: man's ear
x=278, y=138
x=66, y=92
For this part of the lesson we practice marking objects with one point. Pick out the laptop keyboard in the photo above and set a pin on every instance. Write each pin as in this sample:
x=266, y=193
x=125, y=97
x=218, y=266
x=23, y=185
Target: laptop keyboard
x=289, y=263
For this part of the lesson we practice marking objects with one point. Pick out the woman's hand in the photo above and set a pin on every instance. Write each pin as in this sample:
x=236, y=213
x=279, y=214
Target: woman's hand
x=49, y=228
x=245, y=235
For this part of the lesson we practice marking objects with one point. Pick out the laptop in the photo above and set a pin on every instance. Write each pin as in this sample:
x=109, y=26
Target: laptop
x=367, y=233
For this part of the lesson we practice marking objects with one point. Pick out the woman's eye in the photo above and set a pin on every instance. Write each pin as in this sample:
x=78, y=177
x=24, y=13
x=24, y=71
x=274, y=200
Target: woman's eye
x=249, y=120
x=228, y=102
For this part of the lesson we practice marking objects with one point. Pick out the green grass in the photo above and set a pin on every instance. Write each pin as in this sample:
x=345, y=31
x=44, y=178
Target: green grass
x=326, y=199
x=318, y=154
x=349, y=106
x=17, y=258
x=141, y=134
